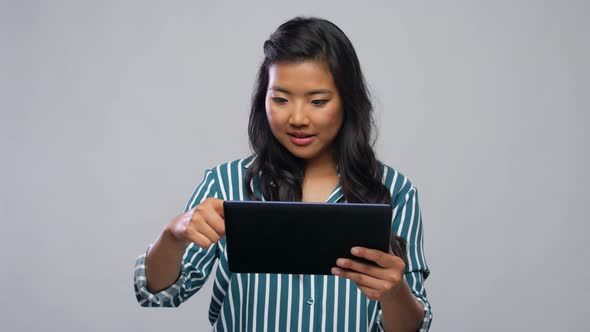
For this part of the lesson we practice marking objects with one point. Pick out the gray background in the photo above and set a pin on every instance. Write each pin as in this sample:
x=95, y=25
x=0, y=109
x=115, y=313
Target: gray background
x=108, y=109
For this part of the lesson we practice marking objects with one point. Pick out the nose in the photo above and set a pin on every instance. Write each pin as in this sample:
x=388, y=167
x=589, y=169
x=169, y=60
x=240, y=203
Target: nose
x=298, y=116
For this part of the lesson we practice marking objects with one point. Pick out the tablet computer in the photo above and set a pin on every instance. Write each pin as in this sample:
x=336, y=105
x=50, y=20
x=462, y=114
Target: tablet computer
x=301, y=238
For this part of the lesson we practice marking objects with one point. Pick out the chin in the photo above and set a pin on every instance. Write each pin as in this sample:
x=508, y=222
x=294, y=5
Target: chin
x=302, y=153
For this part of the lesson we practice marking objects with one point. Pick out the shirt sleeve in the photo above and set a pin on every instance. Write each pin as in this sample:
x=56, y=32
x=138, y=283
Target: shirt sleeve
x=407, y=223
x=196, y=262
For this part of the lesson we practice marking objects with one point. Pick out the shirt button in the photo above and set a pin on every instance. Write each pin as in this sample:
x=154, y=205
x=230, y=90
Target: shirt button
x=310, y=301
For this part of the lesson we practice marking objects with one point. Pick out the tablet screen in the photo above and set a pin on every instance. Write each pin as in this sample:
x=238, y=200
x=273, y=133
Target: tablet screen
x=301, y=238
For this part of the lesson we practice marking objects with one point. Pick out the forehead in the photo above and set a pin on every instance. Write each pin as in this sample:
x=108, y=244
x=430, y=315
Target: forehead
x=301, y=76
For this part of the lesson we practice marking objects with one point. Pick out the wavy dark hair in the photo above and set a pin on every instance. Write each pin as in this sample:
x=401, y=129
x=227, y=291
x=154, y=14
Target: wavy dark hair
x=303, y=39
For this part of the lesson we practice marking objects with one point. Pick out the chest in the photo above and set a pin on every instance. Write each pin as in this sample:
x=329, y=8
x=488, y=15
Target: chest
x=318, y=189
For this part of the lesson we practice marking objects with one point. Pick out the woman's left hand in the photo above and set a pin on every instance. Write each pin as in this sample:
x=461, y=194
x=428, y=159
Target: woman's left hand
x=379, y=282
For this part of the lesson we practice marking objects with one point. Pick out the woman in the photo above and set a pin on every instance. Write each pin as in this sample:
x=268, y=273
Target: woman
x=310, y=130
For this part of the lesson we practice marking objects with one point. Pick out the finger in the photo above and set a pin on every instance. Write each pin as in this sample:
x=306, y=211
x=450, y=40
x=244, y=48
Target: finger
x=382, y=259
x=199, y=224
x=198, y=238
x=217, y=205
x=213, y=219
x=368, y=269
x=371, y=293
x=361, y=279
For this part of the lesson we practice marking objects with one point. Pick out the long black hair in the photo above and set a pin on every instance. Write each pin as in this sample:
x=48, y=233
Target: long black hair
x=304, y=39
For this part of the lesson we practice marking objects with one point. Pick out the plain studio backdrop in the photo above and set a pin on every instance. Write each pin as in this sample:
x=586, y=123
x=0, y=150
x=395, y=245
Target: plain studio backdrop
x=112, y=110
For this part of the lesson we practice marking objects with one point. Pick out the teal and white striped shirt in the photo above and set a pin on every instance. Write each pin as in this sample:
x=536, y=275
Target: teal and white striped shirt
x=285, y=302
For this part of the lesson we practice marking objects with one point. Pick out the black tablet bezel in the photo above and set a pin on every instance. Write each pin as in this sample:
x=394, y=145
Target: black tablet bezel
x=301, y=237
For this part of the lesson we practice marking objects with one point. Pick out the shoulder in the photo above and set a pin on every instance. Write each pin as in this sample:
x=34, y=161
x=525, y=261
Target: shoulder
x=233, y=167
x=399, y=185
x=229, y=177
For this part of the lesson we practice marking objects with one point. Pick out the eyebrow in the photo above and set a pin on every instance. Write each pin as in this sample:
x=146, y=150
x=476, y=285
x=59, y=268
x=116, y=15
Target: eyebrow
x=310, y=93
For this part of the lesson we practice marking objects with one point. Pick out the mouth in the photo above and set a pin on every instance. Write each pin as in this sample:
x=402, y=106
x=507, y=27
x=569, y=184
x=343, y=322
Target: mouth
x=300, y=138
x=299, y=134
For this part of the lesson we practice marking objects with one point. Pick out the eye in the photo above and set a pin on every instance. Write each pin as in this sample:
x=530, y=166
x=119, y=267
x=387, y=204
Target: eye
x=319, y=102
x=279, y=100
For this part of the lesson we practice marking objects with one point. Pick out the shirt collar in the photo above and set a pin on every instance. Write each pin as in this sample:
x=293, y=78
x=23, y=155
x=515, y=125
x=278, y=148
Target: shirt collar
x=334, y=197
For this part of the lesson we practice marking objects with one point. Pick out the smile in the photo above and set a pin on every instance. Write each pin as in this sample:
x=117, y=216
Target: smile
x=301, y=139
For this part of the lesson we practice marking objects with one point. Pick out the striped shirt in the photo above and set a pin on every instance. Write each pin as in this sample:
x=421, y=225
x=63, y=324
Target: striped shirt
x=286, y=302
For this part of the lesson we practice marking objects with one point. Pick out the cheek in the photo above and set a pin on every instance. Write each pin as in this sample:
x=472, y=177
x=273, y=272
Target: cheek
x=267, y=109
x=273, y=117
x=332, y=120
x=269, y=112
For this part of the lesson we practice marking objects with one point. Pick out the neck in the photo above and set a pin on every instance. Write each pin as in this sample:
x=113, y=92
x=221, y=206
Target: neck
x=321, y=166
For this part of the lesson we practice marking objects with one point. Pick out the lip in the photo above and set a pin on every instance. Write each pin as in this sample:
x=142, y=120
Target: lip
x=301, y=138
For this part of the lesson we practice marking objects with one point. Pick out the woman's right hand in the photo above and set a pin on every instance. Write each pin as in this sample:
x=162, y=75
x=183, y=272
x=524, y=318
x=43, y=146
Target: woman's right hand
x=203, y=225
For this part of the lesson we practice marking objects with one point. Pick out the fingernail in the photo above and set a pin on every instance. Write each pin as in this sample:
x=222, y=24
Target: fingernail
x=355, y=251
x=335, y=271
x=340, y=261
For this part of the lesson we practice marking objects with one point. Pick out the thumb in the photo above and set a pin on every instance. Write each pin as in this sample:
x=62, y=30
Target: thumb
x=218, y=207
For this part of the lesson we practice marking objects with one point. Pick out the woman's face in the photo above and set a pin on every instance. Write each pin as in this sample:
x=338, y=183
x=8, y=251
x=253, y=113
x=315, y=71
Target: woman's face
x=303, y=108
